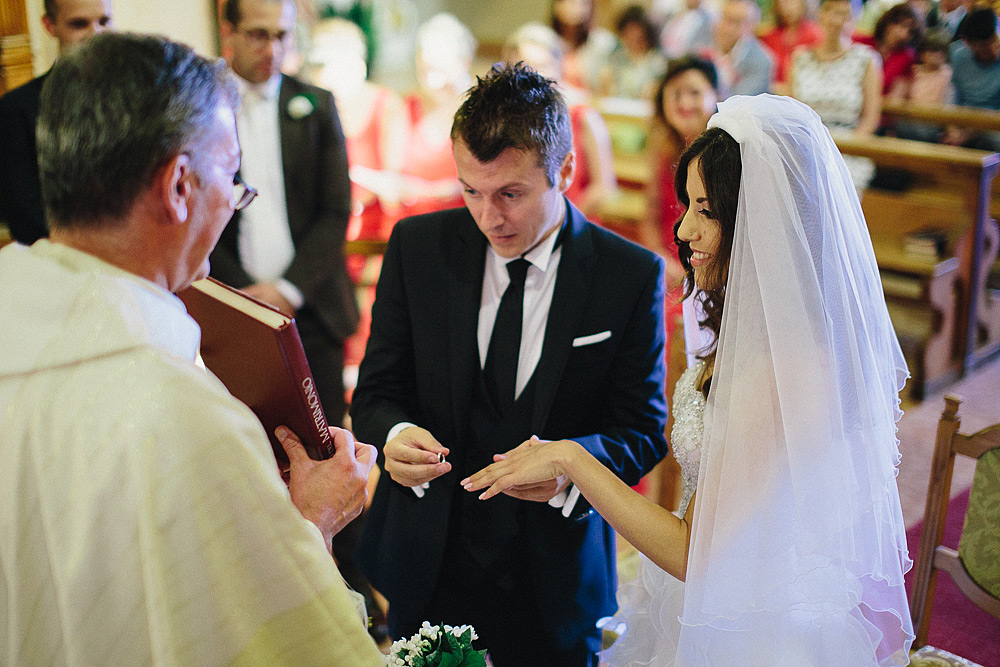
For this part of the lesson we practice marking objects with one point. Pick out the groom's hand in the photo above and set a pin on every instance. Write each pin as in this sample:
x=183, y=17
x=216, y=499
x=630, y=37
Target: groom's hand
x=411, y=458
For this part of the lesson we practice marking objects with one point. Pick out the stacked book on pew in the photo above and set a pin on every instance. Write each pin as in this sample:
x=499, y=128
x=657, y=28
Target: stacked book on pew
x=930, y=243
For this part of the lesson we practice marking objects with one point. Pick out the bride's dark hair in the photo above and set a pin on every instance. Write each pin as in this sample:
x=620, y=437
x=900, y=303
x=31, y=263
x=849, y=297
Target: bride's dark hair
x=720, y=167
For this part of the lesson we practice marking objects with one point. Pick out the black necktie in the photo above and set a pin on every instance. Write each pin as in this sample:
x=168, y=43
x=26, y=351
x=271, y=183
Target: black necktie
x=500, y=371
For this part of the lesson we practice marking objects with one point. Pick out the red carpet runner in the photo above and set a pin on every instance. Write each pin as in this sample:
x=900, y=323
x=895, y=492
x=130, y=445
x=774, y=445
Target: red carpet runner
x=957, y=625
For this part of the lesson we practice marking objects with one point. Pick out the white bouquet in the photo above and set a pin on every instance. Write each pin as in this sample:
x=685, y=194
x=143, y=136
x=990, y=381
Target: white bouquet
x=437, y=646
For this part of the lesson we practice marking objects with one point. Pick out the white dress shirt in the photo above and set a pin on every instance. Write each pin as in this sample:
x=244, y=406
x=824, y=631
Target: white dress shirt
x=539, y=286
x=265, y=239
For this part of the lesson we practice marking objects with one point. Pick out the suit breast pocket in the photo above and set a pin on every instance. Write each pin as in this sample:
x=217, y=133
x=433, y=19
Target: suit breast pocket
x=592, y=353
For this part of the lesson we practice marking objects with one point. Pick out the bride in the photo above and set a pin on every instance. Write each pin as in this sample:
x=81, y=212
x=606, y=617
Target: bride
x=790, y=540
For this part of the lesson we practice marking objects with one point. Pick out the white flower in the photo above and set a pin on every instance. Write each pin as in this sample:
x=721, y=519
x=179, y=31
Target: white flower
x=300, y=106
x=403, y=652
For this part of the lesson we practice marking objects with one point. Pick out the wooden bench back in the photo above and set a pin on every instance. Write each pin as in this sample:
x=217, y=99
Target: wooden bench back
x=969, y=118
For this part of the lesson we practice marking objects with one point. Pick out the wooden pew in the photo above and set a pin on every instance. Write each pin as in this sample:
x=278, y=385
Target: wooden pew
x=627, y=122
x=366, y=248
x=968, y=118
x=971, y=118
x=952, y=185
x=922, y=294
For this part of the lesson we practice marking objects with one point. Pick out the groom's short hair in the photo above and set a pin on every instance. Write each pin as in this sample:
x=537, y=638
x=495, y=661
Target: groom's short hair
x=515, y=107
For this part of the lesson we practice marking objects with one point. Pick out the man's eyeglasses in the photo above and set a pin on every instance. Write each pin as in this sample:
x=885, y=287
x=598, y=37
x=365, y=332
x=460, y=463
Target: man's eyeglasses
x=259, y=37
x=243, y=194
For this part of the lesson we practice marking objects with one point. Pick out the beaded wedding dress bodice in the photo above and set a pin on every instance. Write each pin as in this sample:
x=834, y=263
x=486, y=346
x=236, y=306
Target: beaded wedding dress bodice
x=689, y=425
x=650, y=600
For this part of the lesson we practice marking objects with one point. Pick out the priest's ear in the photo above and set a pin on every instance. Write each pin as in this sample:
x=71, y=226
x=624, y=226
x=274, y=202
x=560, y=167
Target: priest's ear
x=174, y=186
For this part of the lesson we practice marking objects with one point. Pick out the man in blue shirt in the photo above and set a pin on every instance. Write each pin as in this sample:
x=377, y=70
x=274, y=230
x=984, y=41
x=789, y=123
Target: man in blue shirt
x=975, y=62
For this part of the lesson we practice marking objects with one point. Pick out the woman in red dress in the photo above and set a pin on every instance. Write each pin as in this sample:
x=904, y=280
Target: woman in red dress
x=793, y=27
x=594, y=180
x=896, y=35
x=445, y=49
x=685, y=99
x=374, y=128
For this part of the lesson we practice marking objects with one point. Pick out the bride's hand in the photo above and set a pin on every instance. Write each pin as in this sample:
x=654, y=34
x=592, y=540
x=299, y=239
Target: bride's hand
x=534, y=470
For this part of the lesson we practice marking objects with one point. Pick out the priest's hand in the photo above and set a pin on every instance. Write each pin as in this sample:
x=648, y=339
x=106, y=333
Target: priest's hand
x=333, y=492
x=414, y=457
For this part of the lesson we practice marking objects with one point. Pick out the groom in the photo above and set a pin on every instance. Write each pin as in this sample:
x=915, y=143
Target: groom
x=508, y=318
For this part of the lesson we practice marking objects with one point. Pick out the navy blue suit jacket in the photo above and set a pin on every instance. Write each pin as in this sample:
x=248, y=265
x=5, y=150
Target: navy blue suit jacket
x=421, y=366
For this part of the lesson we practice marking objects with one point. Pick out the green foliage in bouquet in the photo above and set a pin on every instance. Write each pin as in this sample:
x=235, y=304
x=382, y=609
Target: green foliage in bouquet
x=437, y=646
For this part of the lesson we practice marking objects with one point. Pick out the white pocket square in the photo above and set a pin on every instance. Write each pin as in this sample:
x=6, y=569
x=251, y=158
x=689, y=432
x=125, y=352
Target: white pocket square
x=591, y=339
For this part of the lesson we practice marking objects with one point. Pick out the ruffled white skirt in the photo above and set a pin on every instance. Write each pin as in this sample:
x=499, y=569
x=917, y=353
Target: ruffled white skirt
x=649, y=606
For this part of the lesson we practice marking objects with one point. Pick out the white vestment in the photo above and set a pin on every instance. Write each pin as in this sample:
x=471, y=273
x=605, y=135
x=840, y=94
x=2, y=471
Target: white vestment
x=142, y=517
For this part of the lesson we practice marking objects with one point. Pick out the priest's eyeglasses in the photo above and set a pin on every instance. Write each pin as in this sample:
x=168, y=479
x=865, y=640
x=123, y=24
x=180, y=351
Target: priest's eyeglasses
x=243, y=194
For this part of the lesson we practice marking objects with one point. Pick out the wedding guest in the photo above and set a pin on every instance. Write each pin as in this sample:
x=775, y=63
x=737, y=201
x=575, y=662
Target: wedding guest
x=896, y=36
x=684, y=101
x=288, y=250
x=445, y=49
x=586, y=44
x=687, y=31
x=373, y=119
x=793, y=28
x=842, y=81
x=636, y=64
x=929, y=85
x=789, y=547
x=144, y=519
x=975, y=61
x=594, y=181
x=745, y=67
x=70, y=22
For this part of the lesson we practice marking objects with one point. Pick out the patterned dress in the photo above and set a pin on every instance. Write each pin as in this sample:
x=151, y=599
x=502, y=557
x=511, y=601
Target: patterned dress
x=650, y=604
x=834, y=90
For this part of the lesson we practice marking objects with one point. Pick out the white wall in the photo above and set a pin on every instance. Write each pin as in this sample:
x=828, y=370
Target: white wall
x=494, y=21
x=189, y=21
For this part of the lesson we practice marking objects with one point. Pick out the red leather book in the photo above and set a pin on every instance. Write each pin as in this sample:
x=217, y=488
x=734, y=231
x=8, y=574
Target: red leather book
x=256, y=351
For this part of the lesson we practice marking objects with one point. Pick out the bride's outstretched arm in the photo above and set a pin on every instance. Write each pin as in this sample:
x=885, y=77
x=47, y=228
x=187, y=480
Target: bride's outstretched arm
x=653, y=530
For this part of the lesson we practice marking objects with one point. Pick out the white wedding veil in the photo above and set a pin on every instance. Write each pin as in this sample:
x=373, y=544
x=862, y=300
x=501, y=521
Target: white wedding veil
x=798, y=546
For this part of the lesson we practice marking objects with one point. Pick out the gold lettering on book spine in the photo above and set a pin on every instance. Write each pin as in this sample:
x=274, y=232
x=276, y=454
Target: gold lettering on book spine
x=312, y=399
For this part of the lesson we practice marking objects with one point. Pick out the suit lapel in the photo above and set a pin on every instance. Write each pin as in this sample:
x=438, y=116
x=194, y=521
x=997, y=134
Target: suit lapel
x=466, y=260
x=576, y=274
x=292, y=140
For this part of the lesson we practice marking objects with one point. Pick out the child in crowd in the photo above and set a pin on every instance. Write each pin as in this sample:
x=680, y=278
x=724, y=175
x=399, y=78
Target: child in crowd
x=930, y=84
x=931, y=80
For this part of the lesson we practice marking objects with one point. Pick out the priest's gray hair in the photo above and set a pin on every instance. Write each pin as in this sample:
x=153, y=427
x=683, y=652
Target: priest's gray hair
x=114, y=111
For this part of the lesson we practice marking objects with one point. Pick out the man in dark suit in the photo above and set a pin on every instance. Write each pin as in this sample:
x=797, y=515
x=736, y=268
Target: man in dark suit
x=511, y=318
x=288, y=251
x=70, y=22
